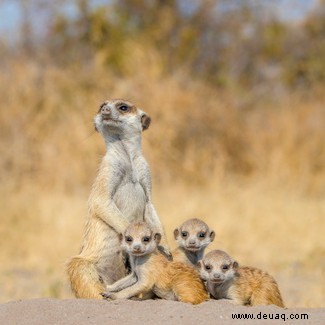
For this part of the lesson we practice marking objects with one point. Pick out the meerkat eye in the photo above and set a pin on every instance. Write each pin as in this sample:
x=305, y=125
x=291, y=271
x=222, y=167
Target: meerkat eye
x=146, y=239
x=184, y=234
x=201, y=234
x=207, y=267
x=129, y=239
x=225, y=267
x=123, y=108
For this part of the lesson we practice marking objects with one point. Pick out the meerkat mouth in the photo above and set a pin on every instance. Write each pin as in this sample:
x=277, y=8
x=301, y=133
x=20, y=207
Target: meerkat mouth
x=106, y=118
x=109, y=121
x=138, y=253
x=217, y=281
x=192, y=248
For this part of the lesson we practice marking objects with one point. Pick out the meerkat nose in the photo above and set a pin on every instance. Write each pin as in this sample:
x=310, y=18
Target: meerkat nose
x=192, y=241
x=136, y=247
x=216, y=276
x=106, y=110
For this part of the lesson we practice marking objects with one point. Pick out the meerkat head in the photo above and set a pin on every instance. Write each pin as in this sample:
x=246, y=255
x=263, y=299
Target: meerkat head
x=217, y=267
x=120, y=117
x=194, y=235
x=139, y=239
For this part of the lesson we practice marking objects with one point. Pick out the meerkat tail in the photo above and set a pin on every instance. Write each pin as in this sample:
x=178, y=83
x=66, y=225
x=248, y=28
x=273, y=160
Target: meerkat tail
x=84, y=278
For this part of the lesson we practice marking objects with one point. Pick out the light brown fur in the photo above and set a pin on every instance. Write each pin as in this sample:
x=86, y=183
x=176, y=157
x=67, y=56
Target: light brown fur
x=120, y=195
x=192, y=236
x=151, y=271
x=247, y=286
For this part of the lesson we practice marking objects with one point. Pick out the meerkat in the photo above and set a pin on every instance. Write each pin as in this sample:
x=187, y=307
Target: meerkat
x=247, y=286
x=120, y=195
x=151, y=271
x=193, y=236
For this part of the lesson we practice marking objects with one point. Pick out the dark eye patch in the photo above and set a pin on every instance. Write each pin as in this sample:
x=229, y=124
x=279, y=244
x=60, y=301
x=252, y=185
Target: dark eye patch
x=129, y=239
x=146, y=239
x=201, y=234
x=123, y=107
x=207, y=267
x=184, y=234
x=225, y=267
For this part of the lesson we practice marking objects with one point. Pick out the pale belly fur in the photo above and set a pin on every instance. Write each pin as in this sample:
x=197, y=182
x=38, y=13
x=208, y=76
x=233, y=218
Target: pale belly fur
x=130, y=198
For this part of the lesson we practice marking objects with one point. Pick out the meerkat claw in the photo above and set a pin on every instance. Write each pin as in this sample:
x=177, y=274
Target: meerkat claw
x=166, y=252
x=108, y=295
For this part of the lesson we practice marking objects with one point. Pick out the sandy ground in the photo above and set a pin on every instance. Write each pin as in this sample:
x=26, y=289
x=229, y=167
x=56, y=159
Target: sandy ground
x=82, y=311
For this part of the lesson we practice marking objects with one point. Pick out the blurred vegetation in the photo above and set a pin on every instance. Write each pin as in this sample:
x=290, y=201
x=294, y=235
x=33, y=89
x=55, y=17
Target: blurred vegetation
x=246, y=94
x=221, y=42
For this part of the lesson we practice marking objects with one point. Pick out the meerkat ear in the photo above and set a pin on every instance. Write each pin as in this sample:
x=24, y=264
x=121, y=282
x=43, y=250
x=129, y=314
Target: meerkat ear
x=120, y=237
x=95, y=128
x=157, y=237
x=235, y=265
x=198, y=265
x=145, y=121
x=176, y=233
x=212, y=235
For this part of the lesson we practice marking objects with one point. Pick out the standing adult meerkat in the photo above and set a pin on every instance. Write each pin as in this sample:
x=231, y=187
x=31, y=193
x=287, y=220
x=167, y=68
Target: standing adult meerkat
x=151, y=271
x=193, y=236
x=244, y=285
x=120, y=195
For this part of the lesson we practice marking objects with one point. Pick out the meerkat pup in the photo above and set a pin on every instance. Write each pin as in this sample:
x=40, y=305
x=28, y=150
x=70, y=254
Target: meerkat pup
x=120, y=195
x=244, y=285
x=151, y=271
x=193, y=236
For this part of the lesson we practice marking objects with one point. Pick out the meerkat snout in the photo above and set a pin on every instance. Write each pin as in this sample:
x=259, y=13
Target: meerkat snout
x=105, y=110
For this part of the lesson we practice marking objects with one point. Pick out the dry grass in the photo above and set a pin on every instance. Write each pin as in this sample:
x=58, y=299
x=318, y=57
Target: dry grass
x=251, y=167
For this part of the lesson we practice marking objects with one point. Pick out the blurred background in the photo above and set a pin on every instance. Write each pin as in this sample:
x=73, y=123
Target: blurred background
x=236, y=94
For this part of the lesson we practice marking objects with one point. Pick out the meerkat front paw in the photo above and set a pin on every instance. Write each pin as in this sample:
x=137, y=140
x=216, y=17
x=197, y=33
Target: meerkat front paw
x=108, y=295
x=165, y=251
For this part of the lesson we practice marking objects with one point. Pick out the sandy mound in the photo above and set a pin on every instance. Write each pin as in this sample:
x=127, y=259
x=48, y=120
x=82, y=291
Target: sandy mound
x=82, y=311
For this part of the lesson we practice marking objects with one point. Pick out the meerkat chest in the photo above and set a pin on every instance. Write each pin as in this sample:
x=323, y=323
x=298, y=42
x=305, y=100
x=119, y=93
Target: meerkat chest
x=218, y=291
x=136, y=171
x=130, y=192
x=131, y=169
